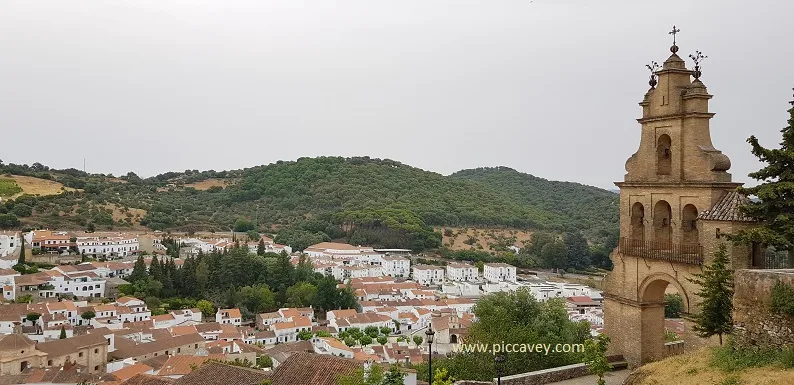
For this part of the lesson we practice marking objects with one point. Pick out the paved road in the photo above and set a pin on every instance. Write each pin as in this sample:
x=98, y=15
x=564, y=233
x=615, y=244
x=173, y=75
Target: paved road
x=612, y=378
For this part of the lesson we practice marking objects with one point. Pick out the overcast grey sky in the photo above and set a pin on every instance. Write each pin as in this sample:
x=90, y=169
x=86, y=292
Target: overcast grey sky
x=548, y=87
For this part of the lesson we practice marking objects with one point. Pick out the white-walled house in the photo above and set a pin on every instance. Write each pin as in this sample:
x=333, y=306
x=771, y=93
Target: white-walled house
x=136, y=310
x=396, y=266
x=462, y=272
x=9, y=243
x=332, y=346
x=428, y=275
x=361, y=321
x=499, y=272
x=229, y=316
x=108, y=245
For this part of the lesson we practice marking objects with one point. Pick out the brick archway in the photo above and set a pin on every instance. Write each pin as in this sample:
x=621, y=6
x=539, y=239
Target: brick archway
x=654, y=286
x=634, y=296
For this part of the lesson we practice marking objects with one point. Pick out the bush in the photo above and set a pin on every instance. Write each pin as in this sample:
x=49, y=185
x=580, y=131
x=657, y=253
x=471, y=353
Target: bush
x=673, y=305
x=8, y=221
x=22, y=210
x=731, y=358
x=8, y=188
x=782, y=299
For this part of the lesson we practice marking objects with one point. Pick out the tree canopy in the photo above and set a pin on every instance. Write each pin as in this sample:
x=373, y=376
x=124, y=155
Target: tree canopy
x=377, y=201
x=774, y=208
x=525, y=320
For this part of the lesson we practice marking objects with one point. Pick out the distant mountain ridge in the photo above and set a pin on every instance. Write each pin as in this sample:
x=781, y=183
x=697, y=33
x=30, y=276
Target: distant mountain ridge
x=286, y=192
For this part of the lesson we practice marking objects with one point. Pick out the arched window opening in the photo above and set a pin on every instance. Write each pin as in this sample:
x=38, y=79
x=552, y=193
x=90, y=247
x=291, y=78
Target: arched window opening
x=637, y=222
x=664, y=155
x=662, y=215
x=689, y=225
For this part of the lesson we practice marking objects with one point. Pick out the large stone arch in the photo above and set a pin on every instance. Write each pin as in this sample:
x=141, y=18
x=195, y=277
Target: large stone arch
x=653, y=287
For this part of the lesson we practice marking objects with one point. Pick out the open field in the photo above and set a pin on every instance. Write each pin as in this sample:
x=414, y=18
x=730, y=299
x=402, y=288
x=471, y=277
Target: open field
x=212, y=182
x=120, y=214
x=486, y=238
x=36, y=186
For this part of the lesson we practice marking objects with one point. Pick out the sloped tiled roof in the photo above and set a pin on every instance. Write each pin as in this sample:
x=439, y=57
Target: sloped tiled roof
x=315, y=369
x=219, y=374
x=131, y=371
x=145, y=379
x=727, y=209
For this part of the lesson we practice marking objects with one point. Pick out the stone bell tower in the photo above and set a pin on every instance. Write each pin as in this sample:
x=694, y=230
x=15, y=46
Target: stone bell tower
x=675, y=198
x=677, y=172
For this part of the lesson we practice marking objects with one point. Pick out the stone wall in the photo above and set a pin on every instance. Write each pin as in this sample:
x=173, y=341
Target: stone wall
x=673, y=348
x=755, y=324
x=561, y=373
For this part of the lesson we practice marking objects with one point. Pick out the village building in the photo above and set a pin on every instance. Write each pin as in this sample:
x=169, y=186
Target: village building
x=499, y=272
x=462, y=272
x=428, y=275
x=50, y=241
x=9, y=243
x=229, y=316
x=108, y=245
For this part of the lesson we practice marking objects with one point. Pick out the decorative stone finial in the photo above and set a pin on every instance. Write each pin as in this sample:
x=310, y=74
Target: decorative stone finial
x=697, y=58
x=674, y=48
x=654, y=66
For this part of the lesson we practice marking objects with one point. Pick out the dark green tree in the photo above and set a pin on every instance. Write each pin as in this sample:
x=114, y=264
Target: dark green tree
x=304, y=271
x=539, y=239
x=576, y=249
x=305, y=335
x=394, y=376
x=88, y=315
x=301, y=294
x=155, y=271
x=243, y=225
x=716, y=291
x=260, y=248
x=554, y=255
x=33, y=316
x=21, y=259
x=63, y=333
x=138, y=270
x=775, y=207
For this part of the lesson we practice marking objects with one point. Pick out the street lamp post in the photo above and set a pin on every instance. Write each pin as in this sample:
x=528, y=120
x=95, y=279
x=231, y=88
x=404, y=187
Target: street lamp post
x=429, y=333
x=499, y=361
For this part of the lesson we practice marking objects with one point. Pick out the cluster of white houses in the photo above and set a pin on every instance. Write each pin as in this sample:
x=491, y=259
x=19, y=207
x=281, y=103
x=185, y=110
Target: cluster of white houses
x=344, y=262
x=121, y=338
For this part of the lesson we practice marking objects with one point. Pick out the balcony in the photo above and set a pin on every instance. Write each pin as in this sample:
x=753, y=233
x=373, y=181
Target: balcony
x=662, y=251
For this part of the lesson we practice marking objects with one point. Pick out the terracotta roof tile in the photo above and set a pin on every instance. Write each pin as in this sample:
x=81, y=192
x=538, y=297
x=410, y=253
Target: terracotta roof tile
x=131, y=371
x=181, y=365
x=145, y=379
x=315, y=369
x=727, y=209
x=213, y=373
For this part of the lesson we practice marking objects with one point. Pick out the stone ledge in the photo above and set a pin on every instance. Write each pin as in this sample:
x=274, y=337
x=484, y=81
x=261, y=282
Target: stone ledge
x=547, y=376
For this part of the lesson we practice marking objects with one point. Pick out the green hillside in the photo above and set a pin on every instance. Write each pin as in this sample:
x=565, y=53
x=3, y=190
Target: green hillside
x=330, y=194
x=590, y=209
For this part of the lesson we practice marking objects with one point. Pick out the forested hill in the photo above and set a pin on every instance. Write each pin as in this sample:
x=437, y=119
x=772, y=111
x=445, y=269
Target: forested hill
x=581, y=206
x=333, y=190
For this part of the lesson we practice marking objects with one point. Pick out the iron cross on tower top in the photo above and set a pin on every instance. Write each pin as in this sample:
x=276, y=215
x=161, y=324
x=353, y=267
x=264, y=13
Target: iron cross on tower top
x=674, y=48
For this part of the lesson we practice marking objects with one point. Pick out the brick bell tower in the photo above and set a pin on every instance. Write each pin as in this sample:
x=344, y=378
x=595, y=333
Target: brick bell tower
x=677, y=172
x=675, y=196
